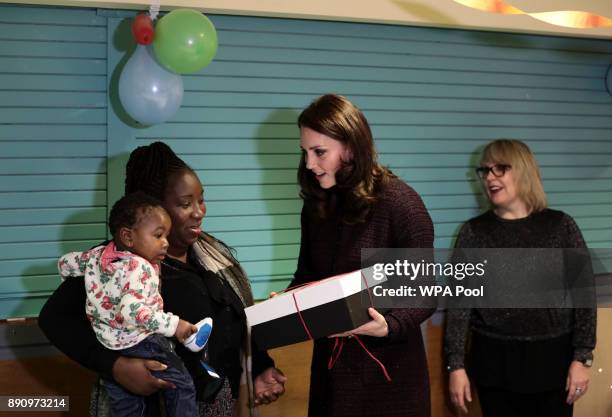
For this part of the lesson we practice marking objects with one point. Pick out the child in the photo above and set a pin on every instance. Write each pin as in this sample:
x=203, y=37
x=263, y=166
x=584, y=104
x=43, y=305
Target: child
x=124, y=305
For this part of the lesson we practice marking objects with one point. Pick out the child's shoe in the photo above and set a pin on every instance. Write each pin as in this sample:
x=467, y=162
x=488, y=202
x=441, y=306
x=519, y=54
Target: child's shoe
x=199, y=339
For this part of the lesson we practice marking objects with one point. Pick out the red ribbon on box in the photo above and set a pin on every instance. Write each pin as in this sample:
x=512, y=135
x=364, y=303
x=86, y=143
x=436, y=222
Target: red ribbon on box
x=339, y=341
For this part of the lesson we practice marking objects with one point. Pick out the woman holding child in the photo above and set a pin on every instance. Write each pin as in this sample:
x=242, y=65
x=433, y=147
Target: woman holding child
x=200, y=278
x=352, y=202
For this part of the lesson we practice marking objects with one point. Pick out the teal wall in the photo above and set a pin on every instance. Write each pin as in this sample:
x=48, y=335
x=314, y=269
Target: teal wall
x=53, y=140
x=433, y=97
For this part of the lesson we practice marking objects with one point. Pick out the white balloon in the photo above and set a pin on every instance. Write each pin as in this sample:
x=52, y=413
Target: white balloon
x=149, y=93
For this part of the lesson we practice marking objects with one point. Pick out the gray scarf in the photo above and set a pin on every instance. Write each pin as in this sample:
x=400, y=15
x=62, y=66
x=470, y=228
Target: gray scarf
x=213, y=255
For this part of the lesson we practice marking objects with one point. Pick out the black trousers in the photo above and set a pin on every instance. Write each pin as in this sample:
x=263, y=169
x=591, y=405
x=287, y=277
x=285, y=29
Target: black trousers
x=496, y=402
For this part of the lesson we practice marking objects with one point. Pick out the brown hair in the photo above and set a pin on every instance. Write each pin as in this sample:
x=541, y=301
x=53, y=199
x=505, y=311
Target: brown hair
x=362, y=178
x=524, y=167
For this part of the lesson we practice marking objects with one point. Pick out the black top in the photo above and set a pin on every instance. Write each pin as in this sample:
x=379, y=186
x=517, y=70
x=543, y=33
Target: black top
x=545, y=229
x=189, y=291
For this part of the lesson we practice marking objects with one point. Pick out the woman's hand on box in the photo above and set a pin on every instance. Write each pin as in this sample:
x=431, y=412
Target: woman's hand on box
x=376, y=327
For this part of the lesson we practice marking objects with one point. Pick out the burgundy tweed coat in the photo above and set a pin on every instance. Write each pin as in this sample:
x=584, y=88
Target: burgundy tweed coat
x=356, y=385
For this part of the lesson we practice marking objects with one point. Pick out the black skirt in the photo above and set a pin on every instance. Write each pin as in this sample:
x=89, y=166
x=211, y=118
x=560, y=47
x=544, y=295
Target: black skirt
x=520, y=366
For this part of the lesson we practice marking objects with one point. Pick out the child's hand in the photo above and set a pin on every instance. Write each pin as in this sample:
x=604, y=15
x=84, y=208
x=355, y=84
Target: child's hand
x=184, y=330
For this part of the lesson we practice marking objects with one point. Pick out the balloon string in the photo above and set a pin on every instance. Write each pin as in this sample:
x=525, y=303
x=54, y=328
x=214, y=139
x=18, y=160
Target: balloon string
x=154, y=9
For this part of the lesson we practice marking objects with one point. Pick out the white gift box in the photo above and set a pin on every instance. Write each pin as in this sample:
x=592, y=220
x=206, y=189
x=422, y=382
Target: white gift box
x=316, y=310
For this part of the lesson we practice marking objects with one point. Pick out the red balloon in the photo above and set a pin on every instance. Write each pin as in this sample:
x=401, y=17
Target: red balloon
x=142, y=29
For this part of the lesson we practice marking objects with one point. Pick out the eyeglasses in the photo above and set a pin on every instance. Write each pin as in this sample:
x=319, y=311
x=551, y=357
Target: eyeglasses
x=498, y=170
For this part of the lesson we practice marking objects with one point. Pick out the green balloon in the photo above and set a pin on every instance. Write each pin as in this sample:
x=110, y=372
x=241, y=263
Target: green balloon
x=185, y=41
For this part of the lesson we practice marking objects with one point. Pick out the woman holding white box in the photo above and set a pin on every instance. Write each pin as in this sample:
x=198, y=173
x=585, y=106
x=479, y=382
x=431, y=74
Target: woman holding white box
x=352, y=202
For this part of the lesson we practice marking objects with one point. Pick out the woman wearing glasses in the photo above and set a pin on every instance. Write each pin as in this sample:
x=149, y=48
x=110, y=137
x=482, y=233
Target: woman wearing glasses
x=523, y=361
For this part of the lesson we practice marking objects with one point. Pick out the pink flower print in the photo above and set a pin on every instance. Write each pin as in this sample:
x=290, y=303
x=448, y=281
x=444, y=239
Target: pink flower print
x=109, y=269
x=126, y=287
x=93, y=287
x=119, y=318
x=114, y=324
x=136, y=295
x=106, y=303
x=144, y=277
x=143, y=316
x=151, y=300
x=157, y=300
x=132, y=265
x=99, y=294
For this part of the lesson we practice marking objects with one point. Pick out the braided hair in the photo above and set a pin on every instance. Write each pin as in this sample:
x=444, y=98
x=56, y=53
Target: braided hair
x=148, y=170
x=150, y=167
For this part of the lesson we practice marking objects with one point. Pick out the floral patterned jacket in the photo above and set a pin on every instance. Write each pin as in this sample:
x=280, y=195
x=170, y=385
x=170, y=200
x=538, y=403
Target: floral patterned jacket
x=123, y=304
